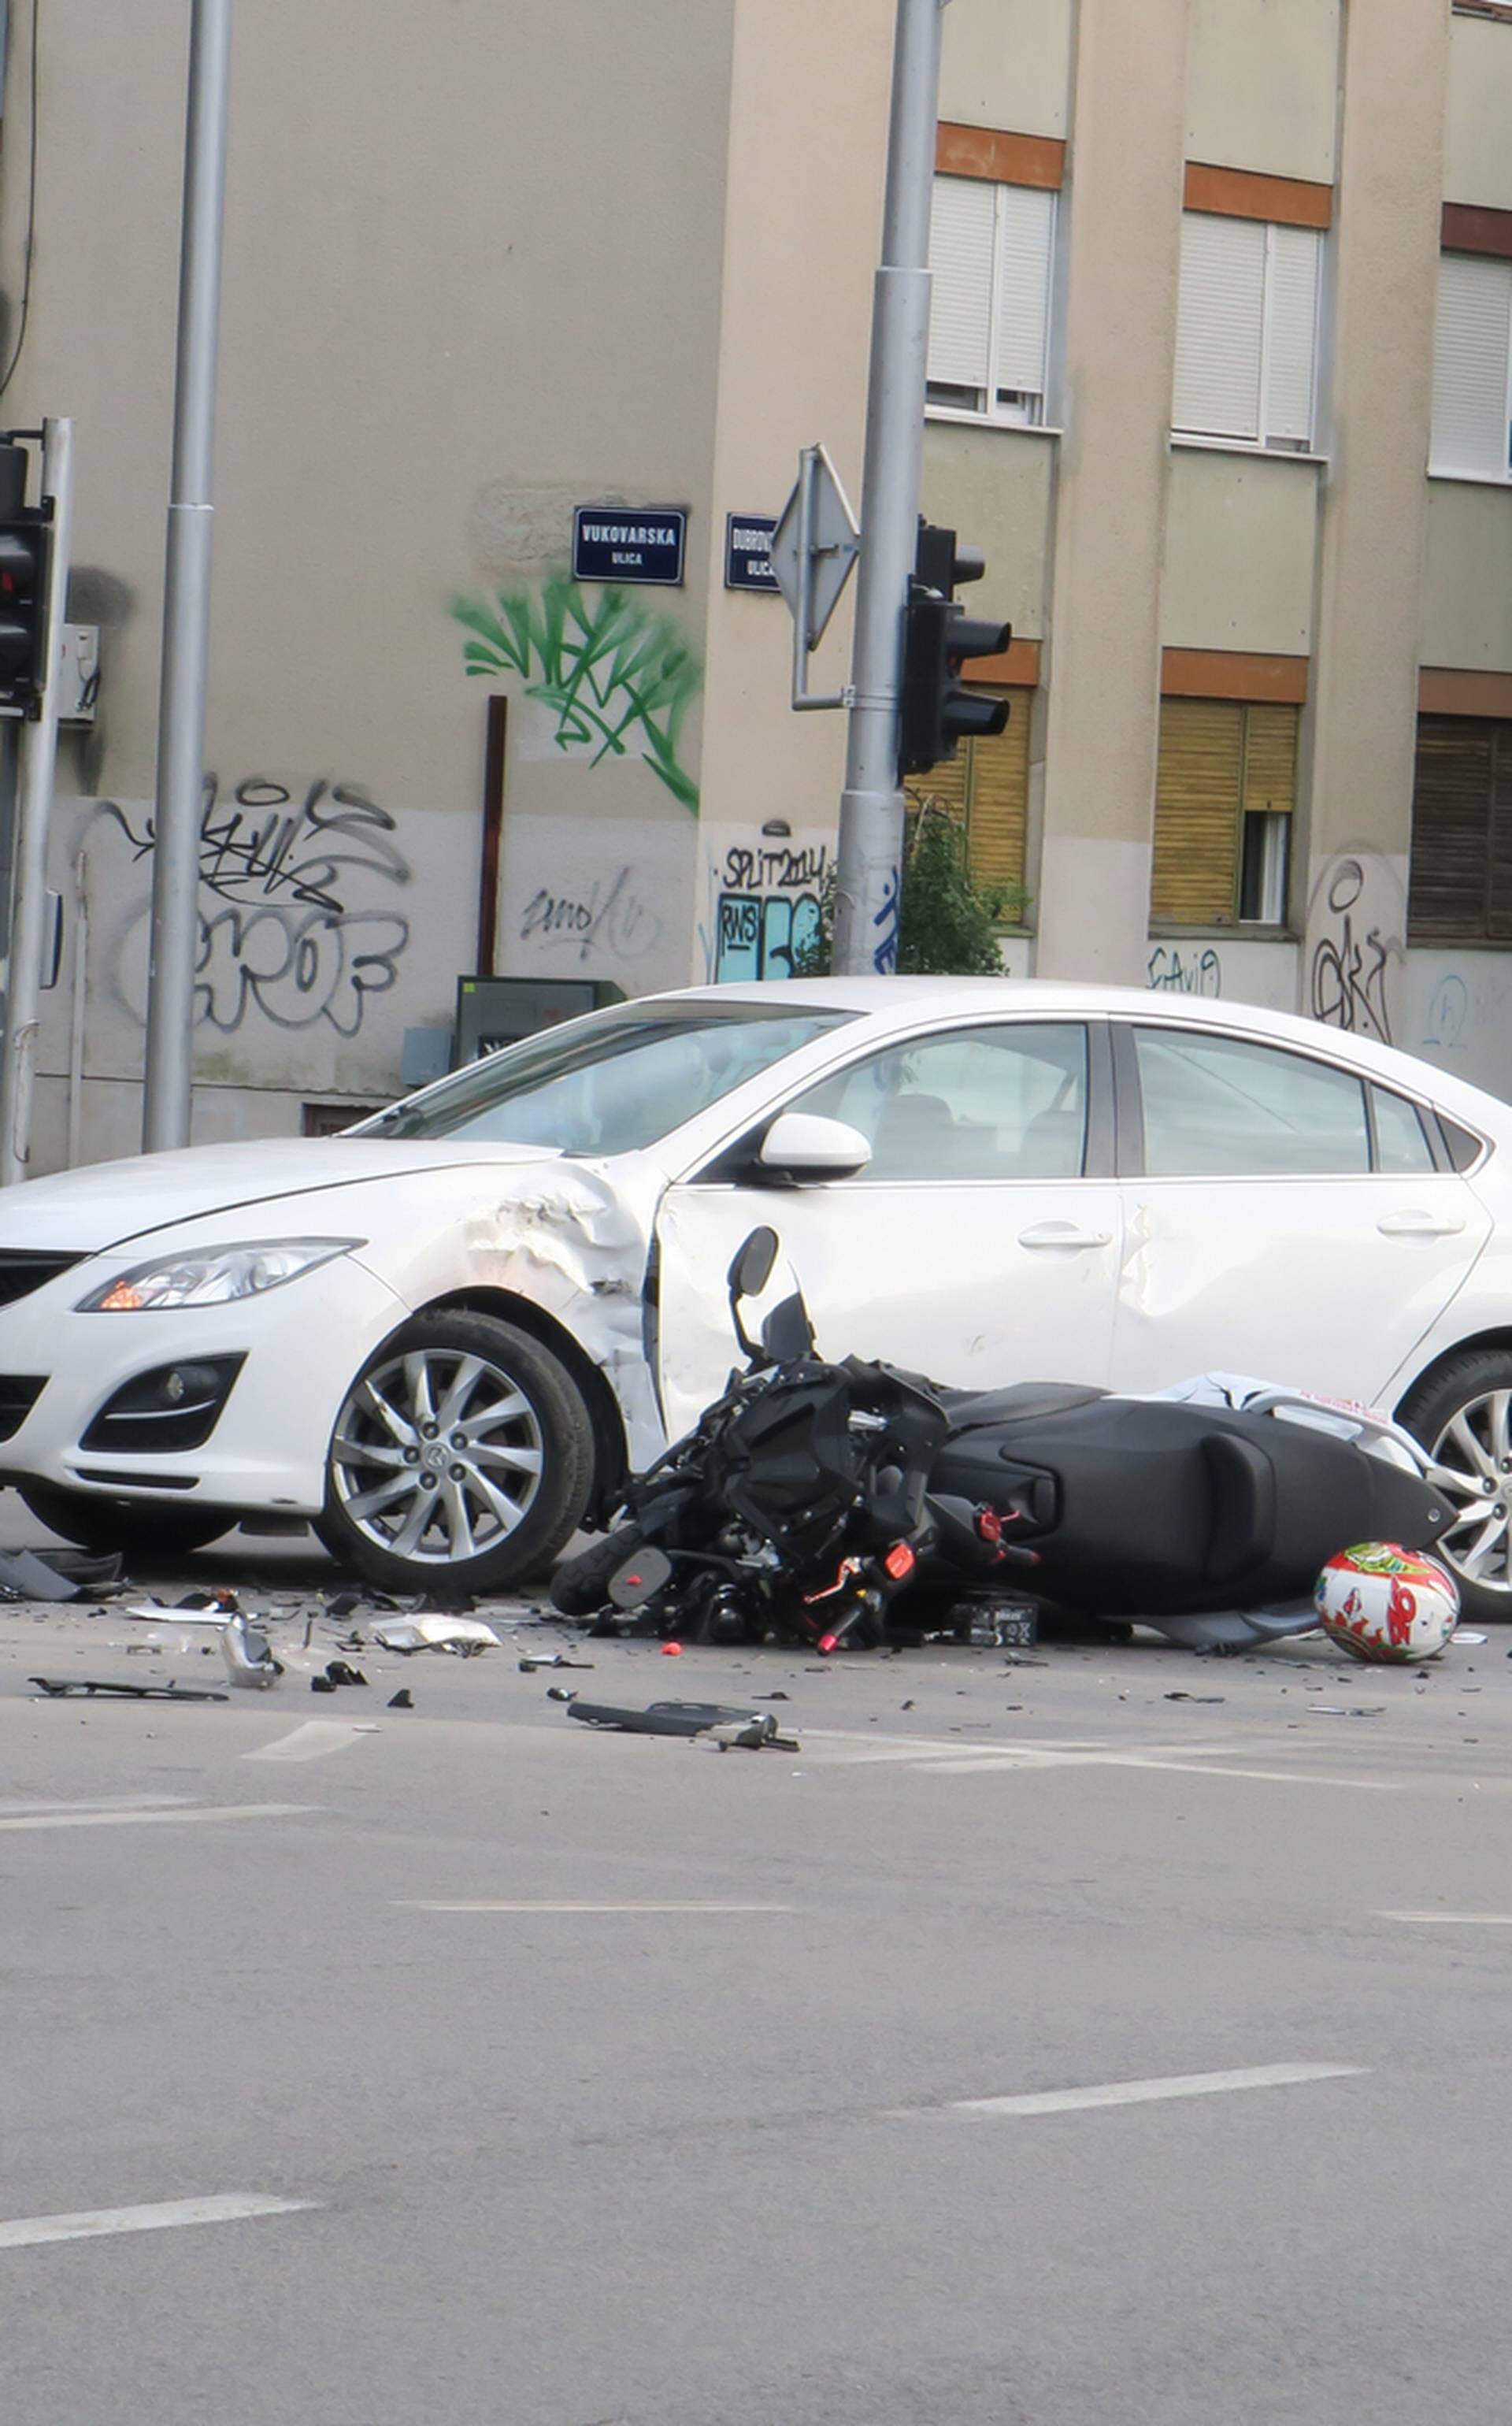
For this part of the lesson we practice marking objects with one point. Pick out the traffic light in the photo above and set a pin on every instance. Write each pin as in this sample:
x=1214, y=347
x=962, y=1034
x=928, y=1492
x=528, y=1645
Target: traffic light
x=940, y=637
x=26, y=541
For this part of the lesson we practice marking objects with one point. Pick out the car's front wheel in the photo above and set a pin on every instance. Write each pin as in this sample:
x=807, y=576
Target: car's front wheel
x=1462, y=1415
x=461, y=1459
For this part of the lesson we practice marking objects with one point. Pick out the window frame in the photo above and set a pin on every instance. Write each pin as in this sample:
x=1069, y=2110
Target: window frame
x=1129, y=1158
x=1298, y=449
x=988, y=414
x=737, y=1164
x=1436, y=470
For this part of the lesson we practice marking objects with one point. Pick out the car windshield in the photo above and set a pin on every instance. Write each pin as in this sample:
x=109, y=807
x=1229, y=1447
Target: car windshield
x=614, y=1081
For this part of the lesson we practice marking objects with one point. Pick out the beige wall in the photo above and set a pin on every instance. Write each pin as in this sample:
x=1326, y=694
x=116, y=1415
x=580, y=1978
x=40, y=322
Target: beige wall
x=1103, y=659
x=1366, y=622
x=422, y=216
x=1240, y=532
x=1262, y=79
x=994, y=487
x=1478, y=119
x=1467, y=588
x=800, y=246
x=1006, y=63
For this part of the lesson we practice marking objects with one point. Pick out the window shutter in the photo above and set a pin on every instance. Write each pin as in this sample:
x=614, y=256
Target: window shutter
x=1473, y=342
x=1219, y=325
x=1451, y=818
x=998, y=814
x=945, y=785
x=1499, y=876
x=961, y=257
x=1197, y=790
x=1026, y=222
x=1295, y=256
x=1270, y=759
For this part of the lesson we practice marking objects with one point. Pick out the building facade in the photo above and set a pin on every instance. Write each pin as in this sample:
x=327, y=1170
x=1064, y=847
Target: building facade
x=1220, y=380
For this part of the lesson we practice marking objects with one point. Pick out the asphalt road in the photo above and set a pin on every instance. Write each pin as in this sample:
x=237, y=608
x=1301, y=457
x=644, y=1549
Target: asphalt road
x=594, y=2080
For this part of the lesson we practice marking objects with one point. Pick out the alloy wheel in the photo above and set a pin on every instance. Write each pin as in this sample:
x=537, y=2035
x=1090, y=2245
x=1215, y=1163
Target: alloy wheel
x=438, y=1455
x=1470, y=1462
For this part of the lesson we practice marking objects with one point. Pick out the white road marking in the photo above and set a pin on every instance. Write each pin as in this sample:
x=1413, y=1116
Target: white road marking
x=96, y=2224
x=1143, y=2093
x=35, y=1807
x=141, y=1818
x=595, y=1907
x=312, y=1741
x=972, y=1763
x=1452, y=1920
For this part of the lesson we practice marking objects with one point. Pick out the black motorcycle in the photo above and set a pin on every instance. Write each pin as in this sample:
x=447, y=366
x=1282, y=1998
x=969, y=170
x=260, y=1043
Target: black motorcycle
x=811, y=1495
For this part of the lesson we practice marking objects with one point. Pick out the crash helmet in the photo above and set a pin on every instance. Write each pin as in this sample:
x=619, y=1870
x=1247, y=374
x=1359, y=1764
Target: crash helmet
x=1381, y=1602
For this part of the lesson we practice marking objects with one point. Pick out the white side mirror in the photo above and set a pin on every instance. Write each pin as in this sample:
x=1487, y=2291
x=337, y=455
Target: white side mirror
x=805, y=1146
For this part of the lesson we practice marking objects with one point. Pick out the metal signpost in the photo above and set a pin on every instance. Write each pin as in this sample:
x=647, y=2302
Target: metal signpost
x=186, y=604
x=814, y=547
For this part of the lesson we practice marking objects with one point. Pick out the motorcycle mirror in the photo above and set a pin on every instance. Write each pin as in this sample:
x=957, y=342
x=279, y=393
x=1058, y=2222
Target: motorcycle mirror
x=752, y=1267
x=639, y=1578
x=787, y=1332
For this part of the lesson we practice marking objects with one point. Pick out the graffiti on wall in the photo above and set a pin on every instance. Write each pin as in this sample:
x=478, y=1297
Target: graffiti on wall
x=605, y=916
x=1350, y=951
x=283, y=928
x=1168, y=970
x=617, y=678
x=767, y=910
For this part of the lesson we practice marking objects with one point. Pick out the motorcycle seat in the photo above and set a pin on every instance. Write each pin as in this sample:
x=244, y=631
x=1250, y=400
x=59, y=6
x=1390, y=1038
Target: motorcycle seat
x=1019, y=1403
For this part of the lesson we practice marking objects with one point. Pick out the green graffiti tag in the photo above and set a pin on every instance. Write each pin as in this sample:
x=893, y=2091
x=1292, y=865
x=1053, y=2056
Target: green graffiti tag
x=617, y=676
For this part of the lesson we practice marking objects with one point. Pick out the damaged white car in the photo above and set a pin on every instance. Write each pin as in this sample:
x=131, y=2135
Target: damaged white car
x=444, y=1337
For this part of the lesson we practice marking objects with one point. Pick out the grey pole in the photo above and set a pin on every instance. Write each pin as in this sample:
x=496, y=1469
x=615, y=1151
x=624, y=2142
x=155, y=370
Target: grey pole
x=868, y=876
x=38, y=760
x=186, y=603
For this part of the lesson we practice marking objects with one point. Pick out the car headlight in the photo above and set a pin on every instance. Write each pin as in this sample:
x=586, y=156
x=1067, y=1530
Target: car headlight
x=217, y=1276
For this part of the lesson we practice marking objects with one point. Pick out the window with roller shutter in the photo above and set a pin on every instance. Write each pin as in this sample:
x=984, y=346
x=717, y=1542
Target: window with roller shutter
x=985, y=788
x=989, y=254
x=1472, y=368
x=1225, y=797
x=1246, y=332
x=1460, y=886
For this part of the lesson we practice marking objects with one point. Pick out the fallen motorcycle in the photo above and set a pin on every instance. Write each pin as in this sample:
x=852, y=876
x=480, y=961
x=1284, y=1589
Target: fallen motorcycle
x=813, y=1495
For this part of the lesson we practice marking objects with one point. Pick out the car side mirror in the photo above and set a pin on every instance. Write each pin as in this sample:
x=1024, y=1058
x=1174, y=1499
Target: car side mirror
x=752, y=1267
x=806, y=1148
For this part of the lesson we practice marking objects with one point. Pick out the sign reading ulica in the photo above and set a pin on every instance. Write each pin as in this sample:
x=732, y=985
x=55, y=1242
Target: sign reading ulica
x=628, y=543
x=749, y=552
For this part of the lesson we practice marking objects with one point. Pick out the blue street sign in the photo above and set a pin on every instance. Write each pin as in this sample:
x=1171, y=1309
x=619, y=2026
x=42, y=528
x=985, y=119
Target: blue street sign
x=628, y=543
x=749, y=552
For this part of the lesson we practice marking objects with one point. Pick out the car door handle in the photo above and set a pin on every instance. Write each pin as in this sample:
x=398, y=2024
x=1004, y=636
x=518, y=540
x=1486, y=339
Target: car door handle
x=1420, y=1225
x=1063, y=1233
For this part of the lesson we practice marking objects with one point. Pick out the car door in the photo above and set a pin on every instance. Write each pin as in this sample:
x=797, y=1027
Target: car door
x=980, y=1245
x=1285, y=1215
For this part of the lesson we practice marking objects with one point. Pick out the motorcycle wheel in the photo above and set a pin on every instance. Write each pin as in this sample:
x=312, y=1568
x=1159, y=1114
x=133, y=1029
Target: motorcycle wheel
x=580, y=1587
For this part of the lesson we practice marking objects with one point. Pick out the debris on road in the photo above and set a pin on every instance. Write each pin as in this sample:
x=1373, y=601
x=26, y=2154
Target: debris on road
x=58, y=1687
x=1342, y=1711
x=464, y=1636
x=402, y=1700
x=1196, y=1697
x=678, y=1718
x=535, y=1660
x=248, y=1656
x=60, y=1574
x=341, y=1671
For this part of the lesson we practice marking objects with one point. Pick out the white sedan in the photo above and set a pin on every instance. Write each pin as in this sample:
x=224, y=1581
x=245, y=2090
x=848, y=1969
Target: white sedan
x=444, y=1338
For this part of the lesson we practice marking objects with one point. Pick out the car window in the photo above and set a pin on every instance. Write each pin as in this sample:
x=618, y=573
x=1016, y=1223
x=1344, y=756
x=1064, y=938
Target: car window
x=609, y=1083
x=979, y=1102
x=1217, y=1106
x=1401, y=1140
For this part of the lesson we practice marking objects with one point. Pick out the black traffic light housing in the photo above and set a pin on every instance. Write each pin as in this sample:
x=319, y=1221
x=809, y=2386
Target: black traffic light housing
x=26, y=549
x=940, y=637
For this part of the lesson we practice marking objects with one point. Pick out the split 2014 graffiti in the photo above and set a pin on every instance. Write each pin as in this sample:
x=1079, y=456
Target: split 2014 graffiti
x=767, y=909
